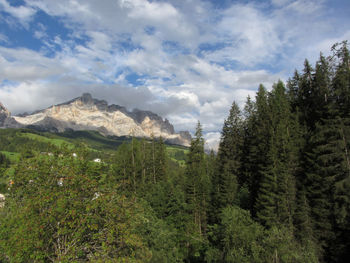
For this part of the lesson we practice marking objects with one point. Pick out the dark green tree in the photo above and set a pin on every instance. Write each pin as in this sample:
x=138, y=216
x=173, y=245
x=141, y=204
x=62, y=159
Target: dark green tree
x=256, y=144
x=229, y=159
x=276, y=199
x=198, y=182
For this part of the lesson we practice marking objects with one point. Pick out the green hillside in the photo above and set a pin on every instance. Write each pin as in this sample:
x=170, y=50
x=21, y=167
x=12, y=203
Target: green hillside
x=17, y=143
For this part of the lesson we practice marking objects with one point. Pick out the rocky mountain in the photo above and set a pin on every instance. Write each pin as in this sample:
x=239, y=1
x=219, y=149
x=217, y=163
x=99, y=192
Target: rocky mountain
x=4, y=114
x=5, y=118
x=87, y=113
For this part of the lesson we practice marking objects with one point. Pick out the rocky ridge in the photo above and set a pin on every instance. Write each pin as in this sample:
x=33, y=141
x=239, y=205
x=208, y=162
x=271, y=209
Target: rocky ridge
x=87, y=113
x=5, y=118
x=4, y=114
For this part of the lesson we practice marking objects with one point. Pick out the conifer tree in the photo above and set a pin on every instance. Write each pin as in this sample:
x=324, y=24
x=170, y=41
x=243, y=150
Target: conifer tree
x=160, y=160
x=276, y=199
x=341, y=88
x=257, y=144
x=323, y=163
x=293, y=91
x=327, y=153
x=198, y=182
x=229, y=159
x=305, y=93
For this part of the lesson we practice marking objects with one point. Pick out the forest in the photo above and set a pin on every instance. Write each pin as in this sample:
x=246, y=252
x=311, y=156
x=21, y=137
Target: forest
x=277, y=190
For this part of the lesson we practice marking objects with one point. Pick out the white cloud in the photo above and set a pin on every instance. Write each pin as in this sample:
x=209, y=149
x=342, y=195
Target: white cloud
x=192, y=60
x=305, y=7
x=25, y=96
x=212, y=140
x=3, y=38
x=23, y=13
x=249, y=36
x=158, y=12
x=25, y=65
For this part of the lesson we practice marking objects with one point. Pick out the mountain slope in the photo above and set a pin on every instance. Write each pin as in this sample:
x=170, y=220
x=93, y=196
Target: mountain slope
x=86, y=113
x=4, y=114
x=5, y=118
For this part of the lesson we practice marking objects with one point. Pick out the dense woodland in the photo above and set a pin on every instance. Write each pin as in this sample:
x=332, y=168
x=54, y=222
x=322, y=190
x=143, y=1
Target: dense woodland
x=278, y=189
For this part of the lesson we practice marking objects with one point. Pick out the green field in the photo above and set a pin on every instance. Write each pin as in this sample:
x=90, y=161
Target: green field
x=12, y=156
x=177, y=154
x=15, y=142
x=54, y=141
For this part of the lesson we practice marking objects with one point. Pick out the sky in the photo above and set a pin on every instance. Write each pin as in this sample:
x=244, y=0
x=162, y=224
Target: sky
x=186, y=60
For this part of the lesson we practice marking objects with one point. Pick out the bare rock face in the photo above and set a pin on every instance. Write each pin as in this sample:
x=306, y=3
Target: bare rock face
x=4, y=114
x=5, y=118
x=87, y=113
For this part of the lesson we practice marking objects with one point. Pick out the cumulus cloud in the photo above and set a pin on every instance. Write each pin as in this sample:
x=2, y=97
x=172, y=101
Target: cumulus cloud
x=211, y=140
x=184, y=60
x=249, y=36
x=22, y=13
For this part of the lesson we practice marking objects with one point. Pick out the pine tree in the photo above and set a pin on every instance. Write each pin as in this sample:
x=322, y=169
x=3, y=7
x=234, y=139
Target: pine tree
x=305, y=95
x=341, y=82
x=323, y=164
x=229, y=159
x=198, y=182
x=293, y=91
x=341, y=89
x=257, y=144
x=276, y=199
x=327, y=163
x=302, y=217
x=160, y=160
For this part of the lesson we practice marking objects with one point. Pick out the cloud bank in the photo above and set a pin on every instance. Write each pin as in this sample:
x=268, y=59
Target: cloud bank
x=185, y=60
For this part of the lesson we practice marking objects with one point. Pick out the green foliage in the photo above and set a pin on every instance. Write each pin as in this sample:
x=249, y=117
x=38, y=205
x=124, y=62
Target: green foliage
x=8, y=157
x=244, y=240
x=241, y=237
x=177, y=154
x=53, y=141
x=256, y=144
x=198, y=181
x=229, y=159
x=56, y=212
x=198, y=185
x=275, y=202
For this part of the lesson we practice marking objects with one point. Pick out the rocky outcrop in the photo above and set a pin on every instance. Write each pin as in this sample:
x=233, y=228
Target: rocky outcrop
x=5, y=118
x=87, y=113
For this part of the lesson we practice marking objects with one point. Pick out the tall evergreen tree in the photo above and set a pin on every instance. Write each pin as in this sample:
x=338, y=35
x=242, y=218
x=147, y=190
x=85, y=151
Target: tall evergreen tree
x=293, y=91
x=341, y=88
x=276, y=199
x=198, y=182
x=160, y=160
x=305, y=95
x=257, y=144
x=323, y=163
x=229, y=159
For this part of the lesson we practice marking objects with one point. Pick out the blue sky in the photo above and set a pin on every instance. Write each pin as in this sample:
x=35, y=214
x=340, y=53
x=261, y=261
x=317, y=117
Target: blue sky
x=186, y=60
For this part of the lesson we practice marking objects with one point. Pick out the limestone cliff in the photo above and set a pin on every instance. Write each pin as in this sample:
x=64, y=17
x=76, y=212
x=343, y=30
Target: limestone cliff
x=87, y=113
x=5, y=118
x=4, y=114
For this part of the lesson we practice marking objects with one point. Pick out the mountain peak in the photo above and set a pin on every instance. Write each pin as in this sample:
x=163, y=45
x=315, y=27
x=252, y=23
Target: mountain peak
x=6, y=119
x=87, y=113
x=4, y=111
x=86, y=98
